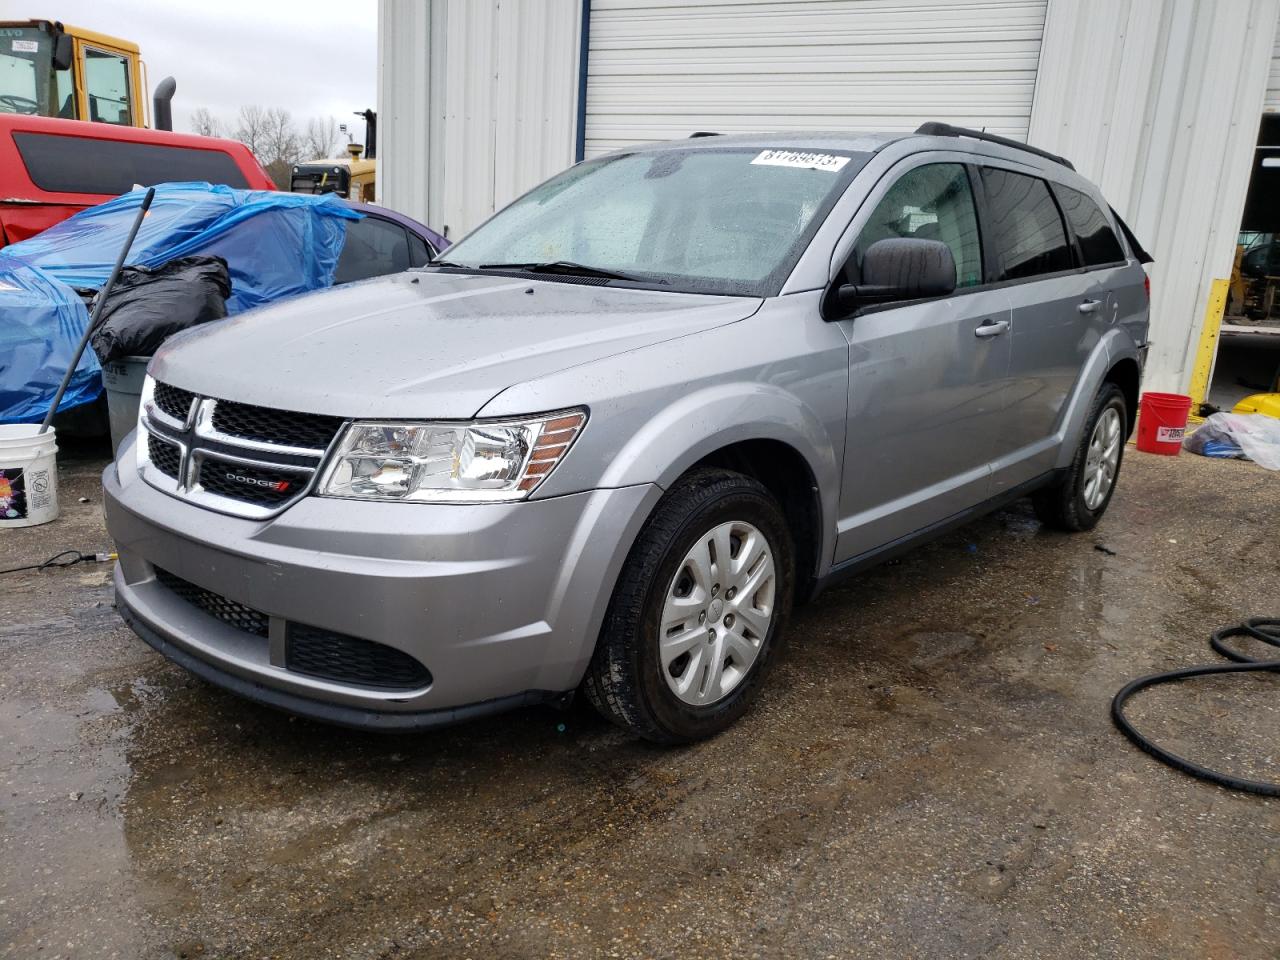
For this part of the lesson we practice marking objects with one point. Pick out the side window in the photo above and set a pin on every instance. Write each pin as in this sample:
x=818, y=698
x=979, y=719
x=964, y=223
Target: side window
x=374, y=247
x=56, y=163
x=420, y=251
x=933, y=202
x=1098, y=241
x=106, y=81
x=1025, y=227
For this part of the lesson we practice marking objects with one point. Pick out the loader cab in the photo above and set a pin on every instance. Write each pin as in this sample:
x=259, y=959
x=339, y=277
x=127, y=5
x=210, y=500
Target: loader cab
x=51, y=70
x=351, y=177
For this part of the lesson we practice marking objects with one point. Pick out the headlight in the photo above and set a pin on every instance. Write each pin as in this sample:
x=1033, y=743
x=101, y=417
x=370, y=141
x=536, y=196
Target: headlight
x=449, y=462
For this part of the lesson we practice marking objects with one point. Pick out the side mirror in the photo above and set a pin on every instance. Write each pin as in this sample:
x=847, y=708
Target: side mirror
x=901, y=269
x=63, y=53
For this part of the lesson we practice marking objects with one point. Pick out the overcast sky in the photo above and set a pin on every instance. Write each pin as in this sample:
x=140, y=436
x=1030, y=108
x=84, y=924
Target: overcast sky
x=313, y=57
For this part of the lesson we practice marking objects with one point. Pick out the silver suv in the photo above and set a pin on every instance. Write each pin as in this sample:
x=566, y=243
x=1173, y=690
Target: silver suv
x=628, y=422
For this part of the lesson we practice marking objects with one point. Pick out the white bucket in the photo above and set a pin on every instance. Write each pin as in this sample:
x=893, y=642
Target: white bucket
x=28, y=475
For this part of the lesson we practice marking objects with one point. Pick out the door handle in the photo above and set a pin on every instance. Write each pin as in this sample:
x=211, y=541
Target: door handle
x=1089, y=306
x=991, y=328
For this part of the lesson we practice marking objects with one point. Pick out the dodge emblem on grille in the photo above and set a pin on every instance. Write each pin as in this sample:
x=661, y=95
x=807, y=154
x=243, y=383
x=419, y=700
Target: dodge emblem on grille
x=280, y=486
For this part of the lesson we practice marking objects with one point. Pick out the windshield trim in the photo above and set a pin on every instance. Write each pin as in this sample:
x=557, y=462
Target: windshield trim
x=769, y=286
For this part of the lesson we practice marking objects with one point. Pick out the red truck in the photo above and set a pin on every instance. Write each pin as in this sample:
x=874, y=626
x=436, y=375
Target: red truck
x=51, y=169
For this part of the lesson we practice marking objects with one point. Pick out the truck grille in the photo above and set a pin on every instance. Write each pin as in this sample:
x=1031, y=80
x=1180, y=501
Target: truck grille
x=165, y=456
x=245, y=460
x=268, y=488
x=228, y=611
x=282, y=427
x=174, y=401
x=336, y=656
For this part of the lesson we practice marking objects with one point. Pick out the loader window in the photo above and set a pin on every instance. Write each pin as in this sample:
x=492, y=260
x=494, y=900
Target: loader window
x=26, y=70
x=106, y=82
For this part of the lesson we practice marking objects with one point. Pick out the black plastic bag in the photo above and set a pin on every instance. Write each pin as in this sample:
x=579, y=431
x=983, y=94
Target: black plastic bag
x=149, y=305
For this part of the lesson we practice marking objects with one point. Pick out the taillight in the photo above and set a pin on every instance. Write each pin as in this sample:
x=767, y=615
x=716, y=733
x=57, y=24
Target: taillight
x=1146, y=284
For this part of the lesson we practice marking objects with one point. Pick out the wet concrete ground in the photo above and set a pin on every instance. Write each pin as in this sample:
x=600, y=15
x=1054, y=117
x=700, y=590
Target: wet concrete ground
x=931, y=773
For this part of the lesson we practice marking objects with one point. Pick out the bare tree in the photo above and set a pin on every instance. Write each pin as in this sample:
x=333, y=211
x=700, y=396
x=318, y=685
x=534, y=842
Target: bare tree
x=271, y=136
x=205, y=124
x=321, y=138
x=251, y=129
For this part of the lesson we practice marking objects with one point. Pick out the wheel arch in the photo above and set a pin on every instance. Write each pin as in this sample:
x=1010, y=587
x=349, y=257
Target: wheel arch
x=1127, y=375
x=1114, y=360
x=756, y=429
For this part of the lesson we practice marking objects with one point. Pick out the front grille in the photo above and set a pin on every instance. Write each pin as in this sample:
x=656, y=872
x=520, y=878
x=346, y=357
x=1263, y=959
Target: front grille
x=228, y=611
x=264, y=487
x=173, y=401
x=281, y=427
x=336, y=656
x=165, y=457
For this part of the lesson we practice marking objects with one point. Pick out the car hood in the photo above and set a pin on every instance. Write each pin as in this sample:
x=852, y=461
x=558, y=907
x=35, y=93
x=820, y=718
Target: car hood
x=425, y=344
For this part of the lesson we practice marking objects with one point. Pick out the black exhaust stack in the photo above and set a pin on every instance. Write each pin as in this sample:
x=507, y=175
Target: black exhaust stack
x=370, y=132
x=162, y=112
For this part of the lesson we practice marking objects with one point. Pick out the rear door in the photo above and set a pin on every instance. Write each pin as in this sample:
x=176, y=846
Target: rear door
x=927, y=378
x=1100, y=252
x=1054, y=305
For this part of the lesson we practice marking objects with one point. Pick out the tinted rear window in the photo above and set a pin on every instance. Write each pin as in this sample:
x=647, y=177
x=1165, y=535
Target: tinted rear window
x=1098, y=241
x=73, y=165
x=1025, y=225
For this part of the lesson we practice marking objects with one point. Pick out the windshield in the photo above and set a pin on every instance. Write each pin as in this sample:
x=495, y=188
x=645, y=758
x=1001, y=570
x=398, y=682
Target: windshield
x=711, y=220
x=28, y=82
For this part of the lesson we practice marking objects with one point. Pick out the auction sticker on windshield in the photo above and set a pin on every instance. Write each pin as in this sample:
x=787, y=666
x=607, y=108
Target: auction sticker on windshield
x=802, y=159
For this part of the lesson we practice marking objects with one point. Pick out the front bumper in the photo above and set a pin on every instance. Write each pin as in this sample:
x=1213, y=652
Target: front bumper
x=502, y=603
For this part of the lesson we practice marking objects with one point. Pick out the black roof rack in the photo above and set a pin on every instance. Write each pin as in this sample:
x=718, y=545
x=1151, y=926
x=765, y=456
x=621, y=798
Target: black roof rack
x=935, y=129
x=703, y=133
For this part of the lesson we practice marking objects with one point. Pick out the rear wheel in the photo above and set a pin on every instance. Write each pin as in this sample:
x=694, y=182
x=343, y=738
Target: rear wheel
x=1078, y=501
x=698, y=609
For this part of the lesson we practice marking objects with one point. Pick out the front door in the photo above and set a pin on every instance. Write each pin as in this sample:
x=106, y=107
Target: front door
x=927, y=379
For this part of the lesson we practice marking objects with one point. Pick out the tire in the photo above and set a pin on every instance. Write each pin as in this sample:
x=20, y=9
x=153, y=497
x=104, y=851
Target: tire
x=628, y=681
x=1066, y=505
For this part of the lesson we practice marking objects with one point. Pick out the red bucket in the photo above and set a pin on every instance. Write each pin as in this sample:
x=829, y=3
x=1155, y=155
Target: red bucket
x=1163, y=423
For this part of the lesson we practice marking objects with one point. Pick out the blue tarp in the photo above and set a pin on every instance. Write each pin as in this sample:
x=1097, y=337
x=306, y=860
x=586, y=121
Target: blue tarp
x=41, y=322
x=276, y=245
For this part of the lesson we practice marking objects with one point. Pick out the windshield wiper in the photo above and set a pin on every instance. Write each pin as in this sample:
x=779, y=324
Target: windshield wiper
x=447, y=263
x=566, y=268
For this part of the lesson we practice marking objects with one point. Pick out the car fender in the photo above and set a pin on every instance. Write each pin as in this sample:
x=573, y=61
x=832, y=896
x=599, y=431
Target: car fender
x=697, y=425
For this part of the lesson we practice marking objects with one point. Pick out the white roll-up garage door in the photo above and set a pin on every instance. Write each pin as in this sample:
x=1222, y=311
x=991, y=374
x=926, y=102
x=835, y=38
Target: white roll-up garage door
x=1272, y=104
x=661, y=70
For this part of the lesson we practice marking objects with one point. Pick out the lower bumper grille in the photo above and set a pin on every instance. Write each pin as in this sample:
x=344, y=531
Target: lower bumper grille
x=228, y=611
x=311, y=651
x=336, y=656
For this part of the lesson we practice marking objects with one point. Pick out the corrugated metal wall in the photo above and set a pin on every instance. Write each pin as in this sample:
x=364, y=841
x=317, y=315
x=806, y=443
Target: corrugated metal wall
x=1273, y=81
x=661, y=70
x=478, y=103
x=1158, y=101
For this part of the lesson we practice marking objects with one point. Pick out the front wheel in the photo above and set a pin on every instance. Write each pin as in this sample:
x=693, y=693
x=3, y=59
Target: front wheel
x=697, y=611
x=1078, y=500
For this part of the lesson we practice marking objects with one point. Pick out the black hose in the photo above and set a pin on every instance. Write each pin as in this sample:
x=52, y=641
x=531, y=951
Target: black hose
x=1264, y=629
x=67, y=558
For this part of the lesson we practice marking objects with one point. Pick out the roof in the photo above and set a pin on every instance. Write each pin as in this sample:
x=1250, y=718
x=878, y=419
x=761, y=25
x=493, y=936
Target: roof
x=868, y=142
x=795, y=140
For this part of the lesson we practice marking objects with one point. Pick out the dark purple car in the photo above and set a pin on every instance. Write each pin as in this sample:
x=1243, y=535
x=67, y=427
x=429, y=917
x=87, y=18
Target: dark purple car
x=384, y=242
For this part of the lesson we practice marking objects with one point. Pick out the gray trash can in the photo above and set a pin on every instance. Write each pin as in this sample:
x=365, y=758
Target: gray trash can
x=123, y=380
